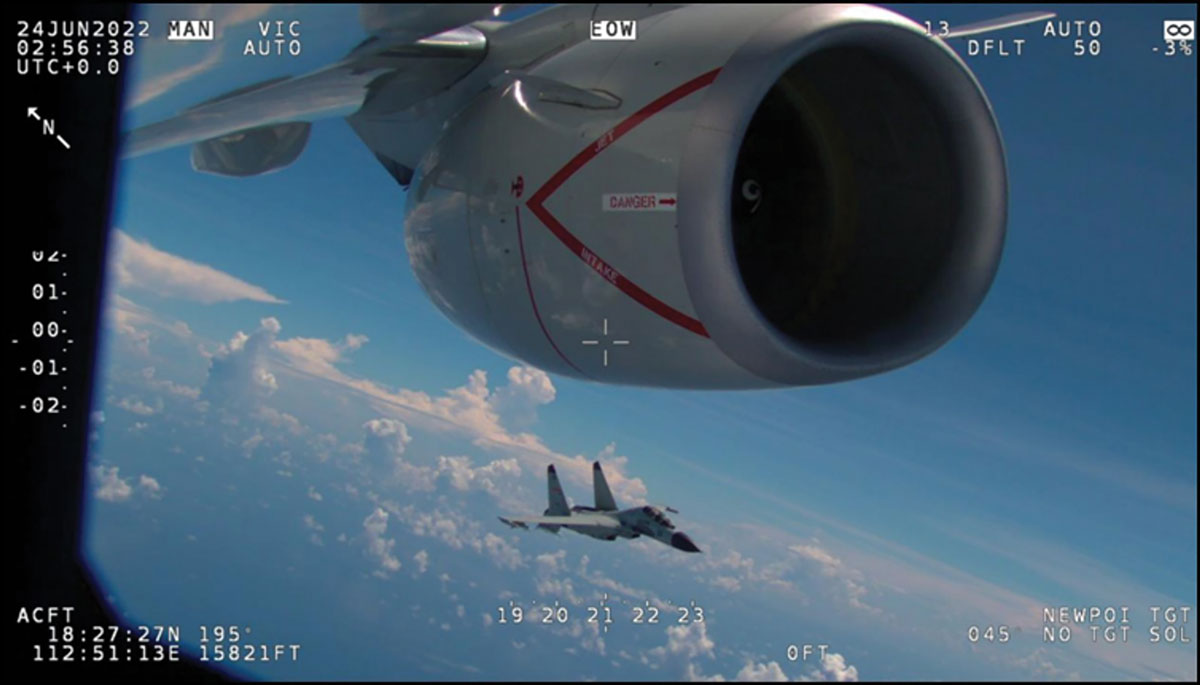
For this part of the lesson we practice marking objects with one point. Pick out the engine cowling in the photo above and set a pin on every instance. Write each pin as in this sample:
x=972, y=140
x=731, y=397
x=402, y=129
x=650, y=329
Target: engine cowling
x=743, y=197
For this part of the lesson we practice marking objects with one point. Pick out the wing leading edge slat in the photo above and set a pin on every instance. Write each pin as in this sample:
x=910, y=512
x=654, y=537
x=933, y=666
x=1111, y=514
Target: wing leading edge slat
x=576, y=521
x=341, y=89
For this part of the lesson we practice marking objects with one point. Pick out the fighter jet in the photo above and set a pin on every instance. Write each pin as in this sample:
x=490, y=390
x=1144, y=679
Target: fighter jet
x=603, y=521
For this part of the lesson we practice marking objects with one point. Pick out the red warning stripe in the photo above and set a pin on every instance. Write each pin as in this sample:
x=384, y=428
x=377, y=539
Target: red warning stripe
x=528, y=286
x=536, y=205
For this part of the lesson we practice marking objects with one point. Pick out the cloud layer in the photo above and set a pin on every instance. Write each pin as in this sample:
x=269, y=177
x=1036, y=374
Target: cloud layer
x=138, y=264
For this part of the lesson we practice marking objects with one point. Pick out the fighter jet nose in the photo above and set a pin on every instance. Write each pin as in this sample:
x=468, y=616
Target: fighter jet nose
x=683, y=542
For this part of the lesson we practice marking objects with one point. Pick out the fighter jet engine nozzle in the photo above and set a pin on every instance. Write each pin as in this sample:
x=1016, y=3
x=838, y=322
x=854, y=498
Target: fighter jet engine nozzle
x=745, y=196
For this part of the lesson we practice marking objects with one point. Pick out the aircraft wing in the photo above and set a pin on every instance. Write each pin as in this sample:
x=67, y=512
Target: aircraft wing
x=424, y=67
x=998, y=24
x=419, y=20
x=578, y=520
x=413, y=52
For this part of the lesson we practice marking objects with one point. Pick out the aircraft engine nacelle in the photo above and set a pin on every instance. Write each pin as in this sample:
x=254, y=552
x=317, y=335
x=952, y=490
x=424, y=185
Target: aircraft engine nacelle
x=743, y=197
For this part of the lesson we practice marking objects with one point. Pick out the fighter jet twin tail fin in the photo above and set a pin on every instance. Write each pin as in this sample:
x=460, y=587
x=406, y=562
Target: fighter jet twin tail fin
x=604, y=500
x=558, y=501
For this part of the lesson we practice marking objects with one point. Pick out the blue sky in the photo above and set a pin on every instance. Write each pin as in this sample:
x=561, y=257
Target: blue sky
x=295, y=439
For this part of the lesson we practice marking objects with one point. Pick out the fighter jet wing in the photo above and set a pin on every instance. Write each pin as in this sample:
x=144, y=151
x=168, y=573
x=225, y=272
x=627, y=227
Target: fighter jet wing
x=579, y=520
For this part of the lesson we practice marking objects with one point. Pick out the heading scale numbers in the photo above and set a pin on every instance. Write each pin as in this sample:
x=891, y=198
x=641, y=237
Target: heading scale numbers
x=601, y=613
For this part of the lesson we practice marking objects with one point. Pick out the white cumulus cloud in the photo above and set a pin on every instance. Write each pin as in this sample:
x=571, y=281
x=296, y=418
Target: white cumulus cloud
x=136, y=406
x=150, y=486
x=379, y=547
x=138, y=264
x=689, y=641
x=238, y=374
x=851, y=579
x=488, y=478
x=833, y=668
x=111, y=488
x=527, y=389
x=472, y=409
x=762, y=673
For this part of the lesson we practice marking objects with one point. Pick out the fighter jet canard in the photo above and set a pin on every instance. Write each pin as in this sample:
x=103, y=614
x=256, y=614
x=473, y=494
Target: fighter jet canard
x=603, y=521
x=706, y=204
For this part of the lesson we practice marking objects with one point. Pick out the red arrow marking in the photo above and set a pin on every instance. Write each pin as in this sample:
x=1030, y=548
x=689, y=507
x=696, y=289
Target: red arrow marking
x=537, y=205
